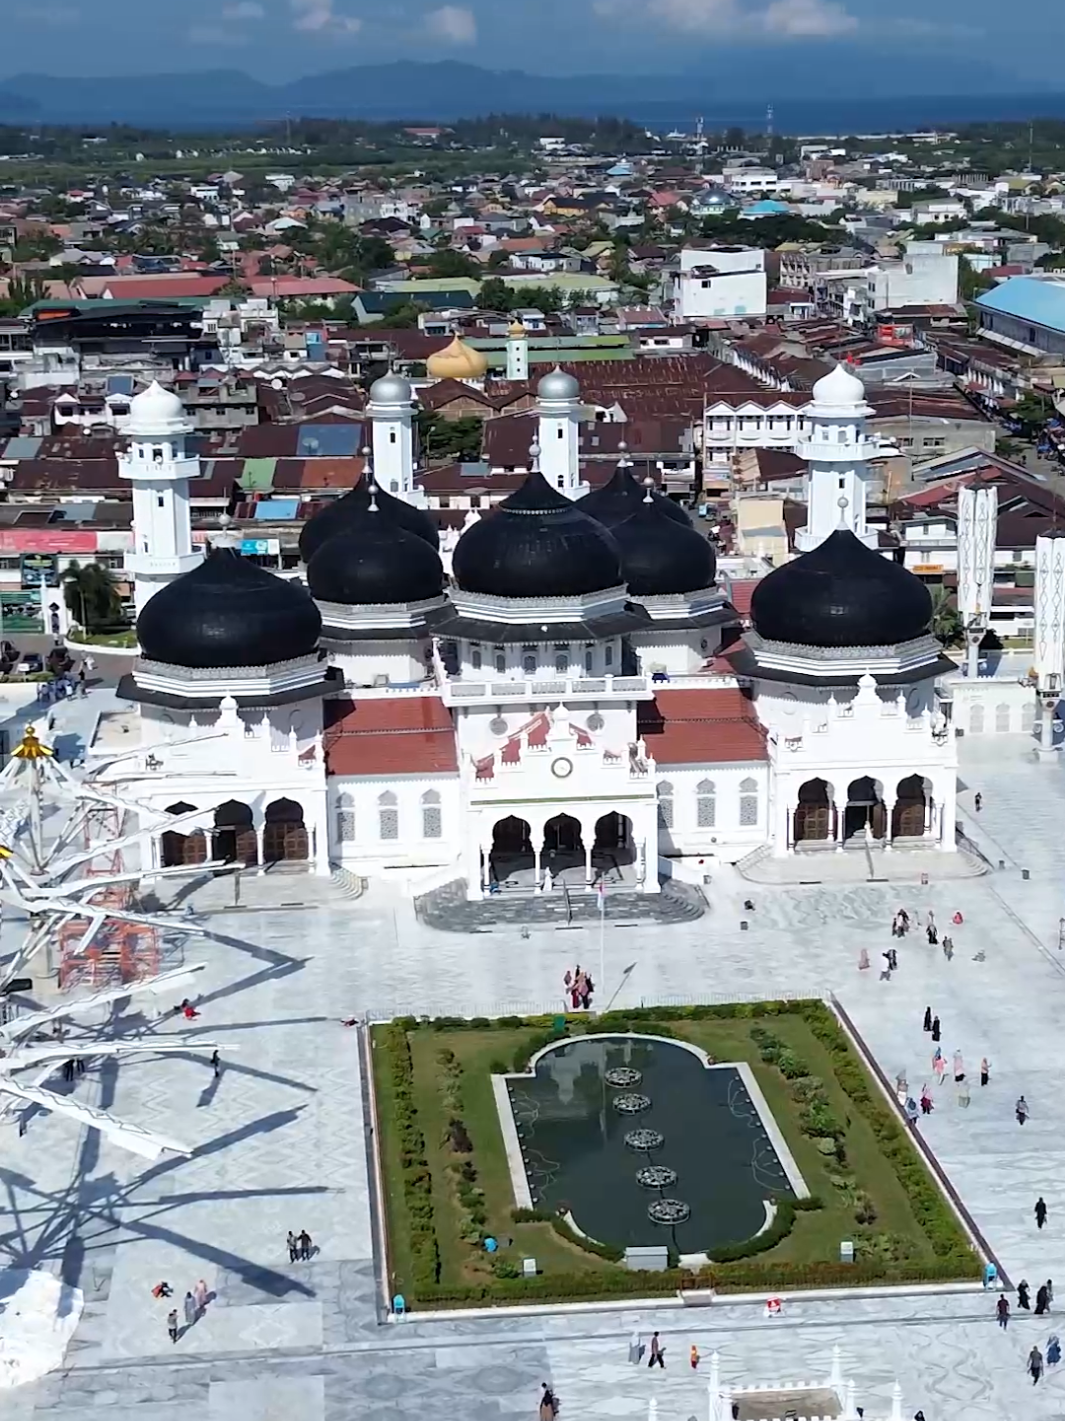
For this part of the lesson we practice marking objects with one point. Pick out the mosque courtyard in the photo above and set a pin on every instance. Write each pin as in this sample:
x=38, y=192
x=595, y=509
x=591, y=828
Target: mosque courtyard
x=280, y=1143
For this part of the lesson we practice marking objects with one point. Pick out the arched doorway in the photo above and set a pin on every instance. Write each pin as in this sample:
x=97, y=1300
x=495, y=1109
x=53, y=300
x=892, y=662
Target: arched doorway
x=233, y=838
x=814, y=813
x=177, y=850
x=563, y=844
x=865, y=806
x=512, y=849
x=614, y=846
x=912, y=804
x=285, y=837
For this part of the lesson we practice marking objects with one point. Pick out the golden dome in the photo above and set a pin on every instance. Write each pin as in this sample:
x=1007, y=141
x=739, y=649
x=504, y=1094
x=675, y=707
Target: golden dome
x=458, y=361
x=516, y=329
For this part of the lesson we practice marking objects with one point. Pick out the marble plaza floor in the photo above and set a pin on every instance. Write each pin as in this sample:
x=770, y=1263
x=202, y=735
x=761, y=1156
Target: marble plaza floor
x=280, y=1143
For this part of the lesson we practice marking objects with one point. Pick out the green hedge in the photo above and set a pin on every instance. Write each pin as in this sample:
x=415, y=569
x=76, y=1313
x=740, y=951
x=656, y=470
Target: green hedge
x=611, y=1252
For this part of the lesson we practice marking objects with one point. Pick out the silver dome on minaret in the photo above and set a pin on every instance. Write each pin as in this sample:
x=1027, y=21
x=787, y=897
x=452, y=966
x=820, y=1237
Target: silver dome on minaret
x=557, y=385
x=391, y=389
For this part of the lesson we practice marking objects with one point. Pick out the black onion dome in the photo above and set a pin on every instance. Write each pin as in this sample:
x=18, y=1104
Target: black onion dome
x=228, y=612
x=537, y=543
x=841, y=594
x=622, y=496
x=335, y=517
x=373, y=562
x=659, y=556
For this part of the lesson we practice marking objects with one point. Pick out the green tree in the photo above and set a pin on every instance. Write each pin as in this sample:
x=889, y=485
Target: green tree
x=449, y=263
x=971, y=283
x=947, y=625
x=441, y=438
x=91, y=595
x=20, y=294
x=404, y=317
x=495, y=295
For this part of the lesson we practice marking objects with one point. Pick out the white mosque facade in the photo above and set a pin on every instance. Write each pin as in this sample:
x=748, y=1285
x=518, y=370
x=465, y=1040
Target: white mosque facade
x=571, y=697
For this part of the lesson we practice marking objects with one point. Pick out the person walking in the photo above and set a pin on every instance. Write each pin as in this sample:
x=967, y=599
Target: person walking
x=1021, y=1110
x=693, y=1357
x=928, y=1019
x=959, y=1067
x=658, y=1352
x=935, y=1029
x=1002, y=1308
x=1053, y=1350
x=548, y=1404
x=1040, y=1212
x=1022, y=1296
x=985, y=1070
x=293, y=1247
x=216, y=1063
x=305, y=1245
x=635, y=1348
x=1042, y=1302
x=1035, y=1365
x=1050, y=1290
x=200, y=1294
x=978, y=800
x=939, y=1066
x=189, y=1307
x=932, y=933
x=172, y=1324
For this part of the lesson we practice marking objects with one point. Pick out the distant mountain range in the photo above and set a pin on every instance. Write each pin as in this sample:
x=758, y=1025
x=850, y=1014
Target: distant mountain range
x=734, y=81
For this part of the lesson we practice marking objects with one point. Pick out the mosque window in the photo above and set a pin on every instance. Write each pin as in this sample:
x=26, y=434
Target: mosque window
x=475, y=657
x=748, y=803
x=665, y=804
x=588, y=663
x=528, y=663
x=345, y=819
x=387, y=815
x=608, y=656
x=432, y=816
x=1002, y=718
x=705, y=804
x=562, y=663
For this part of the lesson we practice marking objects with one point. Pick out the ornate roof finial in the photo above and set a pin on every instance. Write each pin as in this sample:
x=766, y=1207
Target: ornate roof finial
x=534, y=455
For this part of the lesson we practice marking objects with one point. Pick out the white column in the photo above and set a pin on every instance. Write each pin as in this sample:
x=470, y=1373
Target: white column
x=977, y=525
x=517, y=353
x=834, y=444
x=948, y=814
x=391, y=413
x=558, y=435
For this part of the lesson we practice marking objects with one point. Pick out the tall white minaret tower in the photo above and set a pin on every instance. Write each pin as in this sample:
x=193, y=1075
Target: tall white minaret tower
x=390, y=409
x=517, y=352
x=558, y=407
x=160, y=466
x=835, y=445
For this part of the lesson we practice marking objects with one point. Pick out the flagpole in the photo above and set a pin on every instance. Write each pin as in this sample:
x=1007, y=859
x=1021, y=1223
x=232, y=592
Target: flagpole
x=602, y=936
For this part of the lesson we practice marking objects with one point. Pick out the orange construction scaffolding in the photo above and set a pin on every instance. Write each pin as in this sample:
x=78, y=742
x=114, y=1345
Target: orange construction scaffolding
x=120, y=951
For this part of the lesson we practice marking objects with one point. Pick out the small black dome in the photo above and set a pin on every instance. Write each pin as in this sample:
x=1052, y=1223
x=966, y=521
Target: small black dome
x=537, y=543
x=660, y=556
x=841, y=594
x=228, y=612
x=622, y=496
x=335, y=517
x=373, y=562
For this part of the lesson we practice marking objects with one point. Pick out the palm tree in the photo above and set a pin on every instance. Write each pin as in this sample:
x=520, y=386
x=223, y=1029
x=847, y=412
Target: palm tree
x=91, y=595
x=947, y=626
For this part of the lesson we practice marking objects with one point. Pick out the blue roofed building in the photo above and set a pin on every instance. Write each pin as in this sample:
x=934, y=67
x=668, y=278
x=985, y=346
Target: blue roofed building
x=1026, y=313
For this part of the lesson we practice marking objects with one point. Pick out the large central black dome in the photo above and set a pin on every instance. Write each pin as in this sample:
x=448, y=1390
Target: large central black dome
x=337, y=516
x=841, y=594
x=536, y=544
x=622, y=496
x=660, y=556
x=226, y=613
x=374, y=562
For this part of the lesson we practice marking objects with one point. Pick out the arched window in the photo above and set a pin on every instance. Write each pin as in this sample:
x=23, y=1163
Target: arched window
x=1002, y=718
x=588, y=655
x=501, y=662
x=705, y=804
x=976, y=719
x=345, y=818
x=528, y=663
x=665, y=804
x=1028, y=715
x=432, y=819
x=475, y=657
x=387, y=816
x=561, y=662
x=748, y=803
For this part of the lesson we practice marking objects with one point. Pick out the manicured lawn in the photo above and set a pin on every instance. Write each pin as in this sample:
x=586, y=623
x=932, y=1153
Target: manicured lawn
x=891, y=1239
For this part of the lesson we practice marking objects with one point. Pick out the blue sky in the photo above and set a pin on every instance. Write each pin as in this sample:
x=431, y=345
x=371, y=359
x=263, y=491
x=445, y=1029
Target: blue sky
x=279, y=39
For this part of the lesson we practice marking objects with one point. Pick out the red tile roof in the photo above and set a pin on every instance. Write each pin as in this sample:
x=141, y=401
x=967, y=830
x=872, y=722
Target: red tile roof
x=401, y=736
x=701, y=728
x=740, y=592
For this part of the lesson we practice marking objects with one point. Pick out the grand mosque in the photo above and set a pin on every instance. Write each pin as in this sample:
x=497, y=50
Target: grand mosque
x=572, y=696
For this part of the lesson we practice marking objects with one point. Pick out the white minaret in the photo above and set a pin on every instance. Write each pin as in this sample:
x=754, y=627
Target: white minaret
x=977, y=526
x=558, y=407
x=517, y=352
x=391, y=412
x=1049, y=633
x=834, y=443
x=159, y=465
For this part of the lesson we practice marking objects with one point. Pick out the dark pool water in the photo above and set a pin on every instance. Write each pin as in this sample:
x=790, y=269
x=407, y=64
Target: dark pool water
x=573, y=1143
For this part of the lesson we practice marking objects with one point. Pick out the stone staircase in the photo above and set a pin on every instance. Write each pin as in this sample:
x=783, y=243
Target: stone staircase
x=349, y=884
x=446, y=907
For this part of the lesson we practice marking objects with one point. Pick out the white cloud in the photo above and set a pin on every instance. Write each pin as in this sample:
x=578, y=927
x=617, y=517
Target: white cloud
x=779, y=19
x=453, y=24
x=806, y=18
x=244, y=10
x=319, y=17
